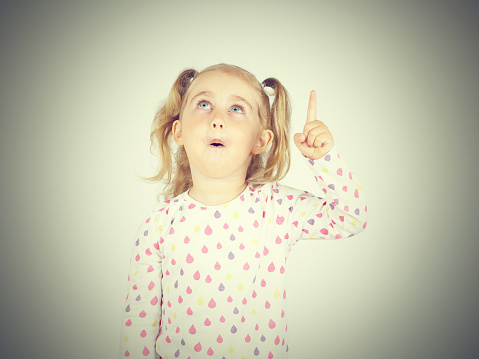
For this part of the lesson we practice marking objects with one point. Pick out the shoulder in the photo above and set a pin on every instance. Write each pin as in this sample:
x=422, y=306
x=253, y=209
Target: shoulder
x=162, y=209
x=276, y=191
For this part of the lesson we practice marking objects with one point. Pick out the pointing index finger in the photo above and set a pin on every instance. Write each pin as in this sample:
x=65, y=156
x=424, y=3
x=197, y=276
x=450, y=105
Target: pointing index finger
x=311, y=107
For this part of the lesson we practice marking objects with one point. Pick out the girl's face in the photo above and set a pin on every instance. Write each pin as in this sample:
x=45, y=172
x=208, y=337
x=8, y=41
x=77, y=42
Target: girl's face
x=220, y=126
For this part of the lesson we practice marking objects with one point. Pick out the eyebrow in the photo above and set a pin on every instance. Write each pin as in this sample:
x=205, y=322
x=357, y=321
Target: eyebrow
x=234, y=97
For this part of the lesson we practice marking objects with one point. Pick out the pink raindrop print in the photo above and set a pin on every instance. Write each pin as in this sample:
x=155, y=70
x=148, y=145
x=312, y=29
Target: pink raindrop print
x=196, y=276
x=212, y=303
x=208, y=230
x=192, y=330
x=146, y=352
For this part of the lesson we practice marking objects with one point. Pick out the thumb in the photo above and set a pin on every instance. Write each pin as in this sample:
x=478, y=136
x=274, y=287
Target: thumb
x=299, y=138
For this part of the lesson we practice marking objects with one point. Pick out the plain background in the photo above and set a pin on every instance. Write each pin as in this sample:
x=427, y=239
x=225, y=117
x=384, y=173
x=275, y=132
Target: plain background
x=397, y=84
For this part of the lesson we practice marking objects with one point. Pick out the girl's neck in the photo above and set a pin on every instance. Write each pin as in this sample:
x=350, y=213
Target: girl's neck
x=215, y=193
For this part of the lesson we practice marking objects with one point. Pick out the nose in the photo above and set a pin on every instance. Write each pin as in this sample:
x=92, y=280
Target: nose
x=217, y=123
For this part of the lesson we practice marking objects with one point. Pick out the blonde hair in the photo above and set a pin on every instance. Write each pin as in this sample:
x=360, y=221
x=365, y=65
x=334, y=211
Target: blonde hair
x=269, y=166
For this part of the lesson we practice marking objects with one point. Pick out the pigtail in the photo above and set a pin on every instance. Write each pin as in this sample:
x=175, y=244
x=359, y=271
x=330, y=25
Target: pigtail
x=274, y=164
x=176, y=176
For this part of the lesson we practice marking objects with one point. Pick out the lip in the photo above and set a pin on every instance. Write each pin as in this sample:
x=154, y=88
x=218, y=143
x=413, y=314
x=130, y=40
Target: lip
x=217, y=143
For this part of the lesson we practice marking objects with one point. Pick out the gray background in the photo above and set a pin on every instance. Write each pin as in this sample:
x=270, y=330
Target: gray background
x=396, y=83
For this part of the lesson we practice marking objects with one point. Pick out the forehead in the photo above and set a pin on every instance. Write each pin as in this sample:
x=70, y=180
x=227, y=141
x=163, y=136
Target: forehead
x=221, y=83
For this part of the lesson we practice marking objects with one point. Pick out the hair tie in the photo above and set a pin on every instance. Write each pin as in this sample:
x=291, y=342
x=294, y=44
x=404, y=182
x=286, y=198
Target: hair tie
x=262, y=85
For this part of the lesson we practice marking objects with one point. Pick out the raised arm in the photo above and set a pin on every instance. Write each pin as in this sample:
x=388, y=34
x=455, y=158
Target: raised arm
x=338, y=209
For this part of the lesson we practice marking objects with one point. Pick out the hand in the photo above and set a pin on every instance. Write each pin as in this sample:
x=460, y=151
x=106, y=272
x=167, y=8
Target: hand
x=316, y=140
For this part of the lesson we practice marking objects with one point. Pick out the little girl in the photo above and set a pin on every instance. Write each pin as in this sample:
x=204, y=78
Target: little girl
x=208, y=265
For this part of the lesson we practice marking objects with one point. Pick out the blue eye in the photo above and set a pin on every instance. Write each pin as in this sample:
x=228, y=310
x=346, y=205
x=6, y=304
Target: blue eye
x=204, y=105
x=240, y=107
x=201, y=102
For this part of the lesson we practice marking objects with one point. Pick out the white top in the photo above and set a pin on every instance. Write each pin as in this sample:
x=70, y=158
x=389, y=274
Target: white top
x=209, y=281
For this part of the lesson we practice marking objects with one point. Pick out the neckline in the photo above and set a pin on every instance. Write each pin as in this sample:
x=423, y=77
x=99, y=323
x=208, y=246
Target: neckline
x=188, y=198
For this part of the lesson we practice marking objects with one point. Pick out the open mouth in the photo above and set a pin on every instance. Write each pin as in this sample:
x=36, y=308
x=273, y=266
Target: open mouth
x=217, y=143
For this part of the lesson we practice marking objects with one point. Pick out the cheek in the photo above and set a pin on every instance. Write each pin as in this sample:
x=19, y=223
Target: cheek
x=189, y=129
x=247, y=139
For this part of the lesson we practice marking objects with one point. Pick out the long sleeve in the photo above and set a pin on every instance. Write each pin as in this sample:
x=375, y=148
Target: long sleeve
x=337, y=210
x=141, y=317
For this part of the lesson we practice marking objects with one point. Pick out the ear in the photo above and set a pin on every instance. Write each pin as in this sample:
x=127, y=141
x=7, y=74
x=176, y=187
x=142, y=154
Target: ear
x=263, y=142
x=177, y=133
